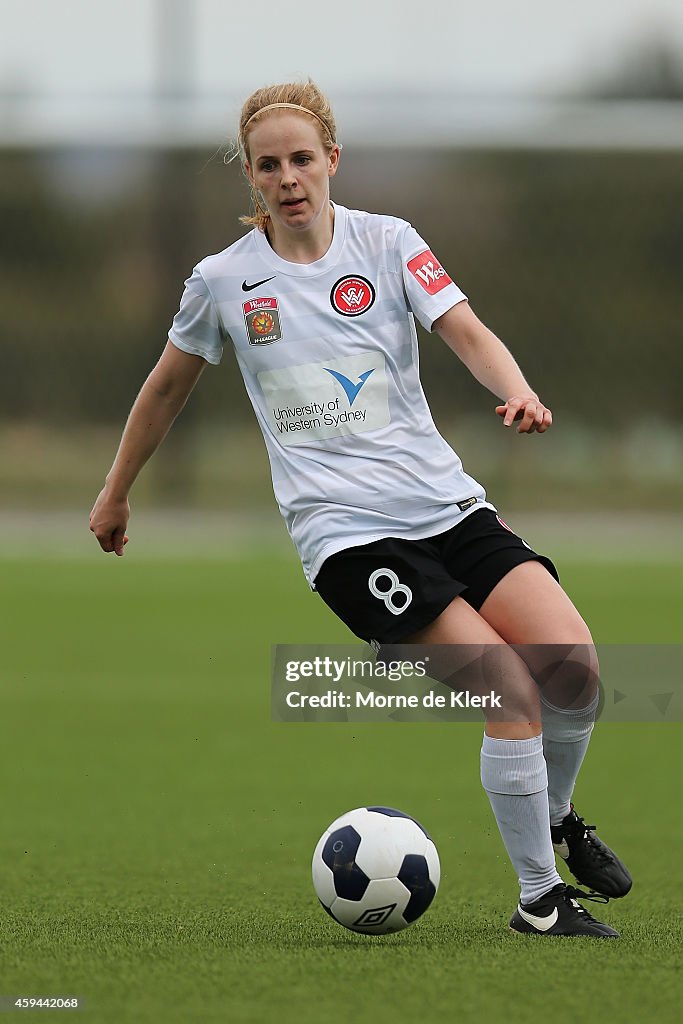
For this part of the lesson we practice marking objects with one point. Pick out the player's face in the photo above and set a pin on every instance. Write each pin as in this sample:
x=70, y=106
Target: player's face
x=291, y=168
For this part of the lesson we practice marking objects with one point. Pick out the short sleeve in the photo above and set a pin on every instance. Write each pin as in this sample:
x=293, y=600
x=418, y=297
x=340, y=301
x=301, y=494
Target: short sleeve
x=196, y=328
x=430, y=290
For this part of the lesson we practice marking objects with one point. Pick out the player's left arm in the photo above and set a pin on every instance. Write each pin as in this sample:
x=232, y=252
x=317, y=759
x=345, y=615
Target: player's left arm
x=494, y=366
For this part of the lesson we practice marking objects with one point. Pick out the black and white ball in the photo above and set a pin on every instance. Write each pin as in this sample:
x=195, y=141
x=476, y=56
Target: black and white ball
x=375, y=870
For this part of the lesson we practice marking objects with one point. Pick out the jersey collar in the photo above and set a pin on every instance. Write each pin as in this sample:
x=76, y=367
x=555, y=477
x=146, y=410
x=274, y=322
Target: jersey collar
x=325, y=263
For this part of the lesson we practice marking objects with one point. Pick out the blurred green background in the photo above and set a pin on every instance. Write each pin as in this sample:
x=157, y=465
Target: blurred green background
x=573, y=258
x=156, y=825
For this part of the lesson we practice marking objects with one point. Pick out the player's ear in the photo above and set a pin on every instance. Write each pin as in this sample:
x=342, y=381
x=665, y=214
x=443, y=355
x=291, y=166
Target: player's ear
x=247, y=171
x=333, y=161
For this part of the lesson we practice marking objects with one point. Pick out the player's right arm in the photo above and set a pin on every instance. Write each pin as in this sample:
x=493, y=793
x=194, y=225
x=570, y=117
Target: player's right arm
x=161, y=398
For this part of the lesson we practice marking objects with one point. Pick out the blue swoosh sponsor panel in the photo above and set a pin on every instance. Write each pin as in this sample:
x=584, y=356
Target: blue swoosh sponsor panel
x=350, y=388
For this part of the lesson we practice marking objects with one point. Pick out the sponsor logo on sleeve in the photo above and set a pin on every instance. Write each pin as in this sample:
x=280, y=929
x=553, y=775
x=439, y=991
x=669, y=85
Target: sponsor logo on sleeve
x=262, y=318
x=352, y=295
x=427, y=270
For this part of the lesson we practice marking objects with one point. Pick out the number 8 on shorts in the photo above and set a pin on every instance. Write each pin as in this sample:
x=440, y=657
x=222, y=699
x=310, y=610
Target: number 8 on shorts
x=395, y=587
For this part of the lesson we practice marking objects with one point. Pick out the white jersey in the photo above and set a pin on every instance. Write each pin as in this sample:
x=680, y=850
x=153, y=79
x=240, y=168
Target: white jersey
x=328, y=352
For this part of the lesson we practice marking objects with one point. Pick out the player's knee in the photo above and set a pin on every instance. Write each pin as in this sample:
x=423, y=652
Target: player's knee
x=519, y=696
x=528, y=705
x=570, y=676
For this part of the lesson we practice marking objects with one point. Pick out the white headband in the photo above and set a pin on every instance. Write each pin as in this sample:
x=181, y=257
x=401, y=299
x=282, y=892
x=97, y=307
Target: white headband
x=279, y=106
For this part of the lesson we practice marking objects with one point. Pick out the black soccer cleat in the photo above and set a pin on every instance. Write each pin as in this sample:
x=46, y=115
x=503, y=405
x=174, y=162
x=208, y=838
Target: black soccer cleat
x=557, y=912
x=591, y=862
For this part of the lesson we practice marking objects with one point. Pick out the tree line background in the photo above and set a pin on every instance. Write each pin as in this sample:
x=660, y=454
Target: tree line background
x=573, y=258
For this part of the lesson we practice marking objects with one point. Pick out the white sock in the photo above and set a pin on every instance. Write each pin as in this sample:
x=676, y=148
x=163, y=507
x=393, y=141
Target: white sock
x=566, y=735
x=513, y=773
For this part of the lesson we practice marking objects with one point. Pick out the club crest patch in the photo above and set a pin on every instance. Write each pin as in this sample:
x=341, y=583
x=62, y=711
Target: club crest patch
x=352, y=295
x=262, y=317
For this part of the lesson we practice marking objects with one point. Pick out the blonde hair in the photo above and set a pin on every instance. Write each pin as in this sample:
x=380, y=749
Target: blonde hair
x=304, y=96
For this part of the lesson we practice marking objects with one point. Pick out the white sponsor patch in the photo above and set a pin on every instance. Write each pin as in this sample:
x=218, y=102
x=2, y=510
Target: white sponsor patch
x=315, y=401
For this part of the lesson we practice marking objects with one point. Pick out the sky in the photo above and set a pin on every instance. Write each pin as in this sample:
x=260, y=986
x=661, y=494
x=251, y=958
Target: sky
x=488, y=47
x=87, y=59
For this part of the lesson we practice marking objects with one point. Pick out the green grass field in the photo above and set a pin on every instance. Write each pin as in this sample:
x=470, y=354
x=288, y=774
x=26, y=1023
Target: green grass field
x=157, y=828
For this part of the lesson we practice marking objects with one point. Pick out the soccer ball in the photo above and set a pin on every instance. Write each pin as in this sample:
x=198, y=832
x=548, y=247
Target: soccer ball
x=375, y=870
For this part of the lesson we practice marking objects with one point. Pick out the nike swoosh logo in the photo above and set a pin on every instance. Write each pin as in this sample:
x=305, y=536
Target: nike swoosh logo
x=250, y=287
x=350, y=388
x=562, y=849
x=541, y=924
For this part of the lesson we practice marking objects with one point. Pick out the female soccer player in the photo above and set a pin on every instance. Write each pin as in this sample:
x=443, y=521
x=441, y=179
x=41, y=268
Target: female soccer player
x=319, y=304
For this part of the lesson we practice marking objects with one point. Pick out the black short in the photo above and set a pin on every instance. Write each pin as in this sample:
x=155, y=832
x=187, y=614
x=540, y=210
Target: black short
x=387, y=590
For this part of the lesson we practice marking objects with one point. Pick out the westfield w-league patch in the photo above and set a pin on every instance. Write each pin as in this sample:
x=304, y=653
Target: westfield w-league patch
x=262, y=317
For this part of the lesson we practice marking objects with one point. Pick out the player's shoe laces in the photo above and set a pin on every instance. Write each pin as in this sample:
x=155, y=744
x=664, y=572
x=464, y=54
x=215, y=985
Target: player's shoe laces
x=557, y=912
x=591, y=862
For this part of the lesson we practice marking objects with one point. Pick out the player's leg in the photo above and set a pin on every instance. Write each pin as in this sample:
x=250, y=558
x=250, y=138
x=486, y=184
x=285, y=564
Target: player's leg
x=391, y=589
x=513, y=770
x=514, y=776
x=529, y=608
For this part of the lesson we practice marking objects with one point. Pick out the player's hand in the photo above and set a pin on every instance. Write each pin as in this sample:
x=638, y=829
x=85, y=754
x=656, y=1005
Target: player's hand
x=529, y=410
x=108, y=521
